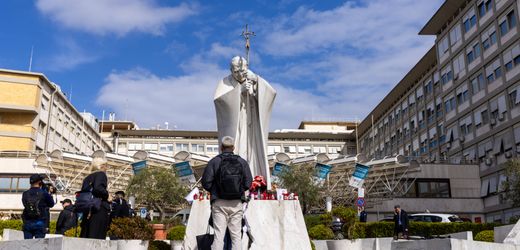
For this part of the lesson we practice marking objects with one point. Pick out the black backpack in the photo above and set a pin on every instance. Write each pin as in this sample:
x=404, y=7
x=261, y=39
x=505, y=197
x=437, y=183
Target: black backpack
x=32, y=205
x=230, y=176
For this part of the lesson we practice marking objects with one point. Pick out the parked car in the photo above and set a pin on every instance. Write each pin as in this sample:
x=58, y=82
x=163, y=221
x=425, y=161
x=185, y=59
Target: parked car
x=337, y=228
x=427, y=217
x=183, y=216
x=387, y=219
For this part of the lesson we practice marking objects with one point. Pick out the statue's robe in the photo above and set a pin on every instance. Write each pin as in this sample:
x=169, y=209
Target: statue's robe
x=246, y=117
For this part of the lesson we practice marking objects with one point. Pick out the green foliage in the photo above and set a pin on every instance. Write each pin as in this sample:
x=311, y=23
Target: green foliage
x=425, y=229
x=321, y=232
x=313, y=247
x=73, y=232
x=300, y=179
x=131, y=228
x=10, y=224
x=512, y=185
x=348, y=216
x=358, y=231
x=514, y=219
x=176, y=233
x=312, y=220
x=486, y=235
x=158, y=187
x=158, y=245
x=17, y=225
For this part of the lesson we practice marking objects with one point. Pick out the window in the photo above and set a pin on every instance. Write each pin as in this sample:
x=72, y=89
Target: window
x=458, y=65
x=462, y=94
x=166, y=148
x=477, y=83
x=15, y=184
x=481, y=117
x=469, y=20
x=181, y=147
x=449, y=104
x=507, y=23
x=317, y=149
x=484, y=7
x=473, y=52
x=430, y=188
x=489, y=37
x=197, y=148
x=512, y=57
x=150, y=146
x=455, y=34
x=493, y=71
x=334, y=150
x=135, y=146
x=214, y=148
x=428, y=88
x=514, y=97
x=443, y=46
x=446, y=74
x=466, y=126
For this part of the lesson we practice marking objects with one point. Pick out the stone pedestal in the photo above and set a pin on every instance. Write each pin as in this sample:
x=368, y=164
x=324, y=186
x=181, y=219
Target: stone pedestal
x=274, y=225
x=513, y=237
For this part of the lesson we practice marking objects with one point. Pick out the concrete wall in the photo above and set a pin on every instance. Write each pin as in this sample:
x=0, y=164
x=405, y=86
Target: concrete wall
x=500, y=233
x=389, y=244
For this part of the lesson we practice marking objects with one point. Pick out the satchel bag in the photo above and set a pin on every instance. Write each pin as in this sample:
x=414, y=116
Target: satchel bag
x=205, y=241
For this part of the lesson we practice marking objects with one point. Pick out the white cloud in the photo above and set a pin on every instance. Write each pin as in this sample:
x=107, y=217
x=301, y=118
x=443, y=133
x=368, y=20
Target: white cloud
x=69, y=55
x=114, y=16
x=346, y=58
x=352, y=54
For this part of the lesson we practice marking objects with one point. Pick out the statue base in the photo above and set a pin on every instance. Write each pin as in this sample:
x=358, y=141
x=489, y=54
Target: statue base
x=275, y=224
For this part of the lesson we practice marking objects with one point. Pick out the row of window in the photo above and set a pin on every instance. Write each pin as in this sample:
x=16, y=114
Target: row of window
x=476, y=84
x=213, y=148
x=14, y=184
x=469, y=21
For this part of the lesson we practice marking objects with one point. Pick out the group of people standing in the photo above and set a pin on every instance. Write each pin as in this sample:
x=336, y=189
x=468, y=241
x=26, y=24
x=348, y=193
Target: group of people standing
x=95, y=223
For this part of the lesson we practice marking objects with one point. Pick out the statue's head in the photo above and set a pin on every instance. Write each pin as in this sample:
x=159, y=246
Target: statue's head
x=238, y=67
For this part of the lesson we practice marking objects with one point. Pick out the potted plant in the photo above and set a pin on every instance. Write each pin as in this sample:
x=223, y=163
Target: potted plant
x=132, y=233
x=176, y=236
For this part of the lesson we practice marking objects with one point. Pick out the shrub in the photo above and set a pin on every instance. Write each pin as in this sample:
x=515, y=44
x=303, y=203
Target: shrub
x=158, y=245
x=17, y=225
x=176, y=233
x=313, y=247
x=348, y=216
x=514, y=219
x=379, y=229
x=10, y=224
x=321, y=232
x=486, y=235
x=358, y=231
x=132, y=228
x=312, y=220
x=73, y=232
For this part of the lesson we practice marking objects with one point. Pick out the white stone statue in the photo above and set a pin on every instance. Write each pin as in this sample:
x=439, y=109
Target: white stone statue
x=243, y=102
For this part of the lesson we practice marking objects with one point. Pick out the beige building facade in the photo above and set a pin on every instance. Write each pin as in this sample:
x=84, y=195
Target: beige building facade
x=36, y=116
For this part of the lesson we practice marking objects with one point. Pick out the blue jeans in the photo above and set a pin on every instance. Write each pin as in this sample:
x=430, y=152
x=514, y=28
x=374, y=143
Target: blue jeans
x=34, y=229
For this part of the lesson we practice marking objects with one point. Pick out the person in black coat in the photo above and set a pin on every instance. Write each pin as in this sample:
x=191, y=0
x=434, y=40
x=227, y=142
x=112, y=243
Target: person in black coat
x=95, y=224
x=67, y=218
x=120, y=207
x=363, y=215
x=401, y=222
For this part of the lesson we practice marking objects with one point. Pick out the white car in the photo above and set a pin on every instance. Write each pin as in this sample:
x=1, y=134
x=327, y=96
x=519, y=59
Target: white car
x=427, y=217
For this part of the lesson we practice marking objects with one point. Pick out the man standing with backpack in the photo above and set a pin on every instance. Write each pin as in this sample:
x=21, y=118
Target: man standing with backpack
x=35, y=202
x=227, y=177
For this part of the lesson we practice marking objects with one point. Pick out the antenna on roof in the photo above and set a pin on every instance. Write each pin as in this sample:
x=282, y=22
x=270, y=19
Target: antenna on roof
x=30, y=59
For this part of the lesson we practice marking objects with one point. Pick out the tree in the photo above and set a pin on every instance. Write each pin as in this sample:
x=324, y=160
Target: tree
x=299, y=179
x=157, y=187
x=512, y=185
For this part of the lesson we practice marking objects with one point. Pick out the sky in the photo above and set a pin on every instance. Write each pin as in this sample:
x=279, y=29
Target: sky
x=157, y=61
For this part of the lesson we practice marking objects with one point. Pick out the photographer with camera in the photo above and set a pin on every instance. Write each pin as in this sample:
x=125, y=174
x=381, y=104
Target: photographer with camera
x=36, y=202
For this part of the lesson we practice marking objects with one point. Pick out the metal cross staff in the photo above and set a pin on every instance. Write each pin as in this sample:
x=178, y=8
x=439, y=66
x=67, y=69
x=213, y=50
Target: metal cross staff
x=246, y=34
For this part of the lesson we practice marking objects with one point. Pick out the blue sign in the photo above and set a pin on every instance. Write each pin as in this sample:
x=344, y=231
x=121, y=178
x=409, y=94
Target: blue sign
x=360, y=202
x=361, y=171
x=183, y=168
x=322, y=170
x=138, y=166
x=279, y=168
x=143, y=213
x=184, y=171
